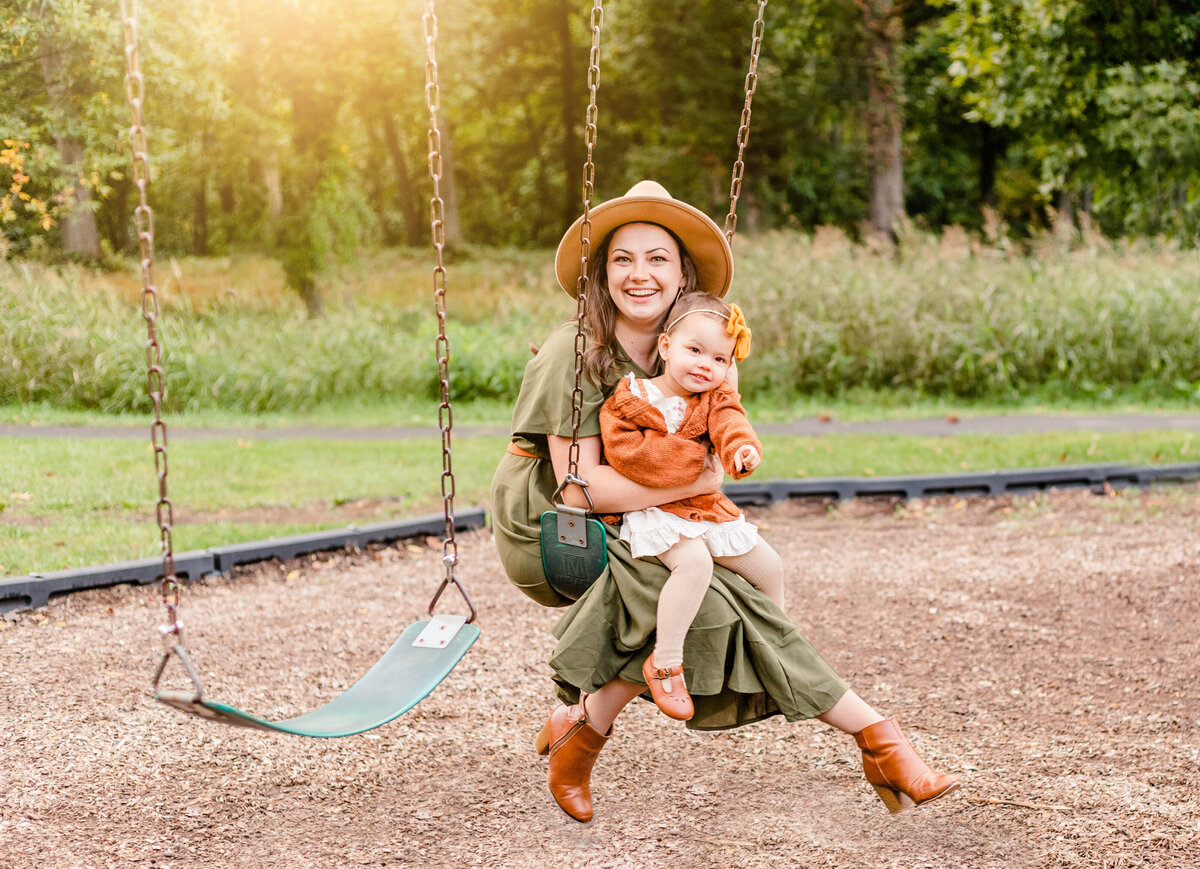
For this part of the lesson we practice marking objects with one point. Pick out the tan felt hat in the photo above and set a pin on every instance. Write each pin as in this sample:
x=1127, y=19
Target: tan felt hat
x=649, y=202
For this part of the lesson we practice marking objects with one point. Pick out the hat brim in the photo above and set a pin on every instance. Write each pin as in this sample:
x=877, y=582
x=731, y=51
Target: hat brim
x=702, y=238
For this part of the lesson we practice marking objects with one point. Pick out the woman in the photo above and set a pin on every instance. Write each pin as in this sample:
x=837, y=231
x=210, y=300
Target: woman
x=746, y=660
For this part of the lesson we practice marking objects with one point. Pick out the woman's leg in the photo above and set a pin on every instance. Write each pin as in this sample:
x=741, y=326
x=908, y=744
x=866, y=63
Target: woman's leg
x=691, y=572
x=761, y=567
x=606, y=704
x=891, y=764
x=851, y=714
x=573, y=738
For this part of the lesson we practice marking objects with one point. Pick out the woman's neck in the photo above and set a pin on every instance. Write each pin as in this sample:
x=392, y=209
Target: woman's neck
x=642, y=347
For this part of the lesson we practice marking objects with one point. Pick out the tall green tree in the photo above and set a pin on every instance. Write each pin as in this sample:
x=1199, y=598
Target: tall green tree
x=1107, y=94
x=62, y=86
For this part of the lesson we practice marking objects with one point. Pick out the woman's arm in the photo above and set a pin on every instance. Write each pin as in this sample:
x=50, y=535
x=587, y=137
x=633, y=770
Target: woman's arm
x=613, y=493
x=649, y=456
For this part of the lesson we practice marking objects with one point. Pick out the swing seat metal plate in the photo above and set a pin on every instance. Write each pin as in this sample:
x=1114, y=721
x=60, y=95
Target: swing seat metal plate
x=441, y=629
x=571, y=525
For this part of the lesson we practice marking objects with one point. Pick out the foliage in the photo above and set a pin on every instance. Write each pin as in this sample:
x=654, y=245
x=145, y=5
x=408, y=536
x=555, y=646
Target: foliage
x=275, y=125
x=1105, y=94
x=947, y=322
x=13, y=157
x=59, y=74
x=941, y=321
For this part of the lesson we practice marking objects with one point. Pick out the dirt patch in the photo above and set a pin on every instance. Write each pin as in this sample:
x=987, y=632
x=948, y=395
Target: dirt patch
x=1043, y=647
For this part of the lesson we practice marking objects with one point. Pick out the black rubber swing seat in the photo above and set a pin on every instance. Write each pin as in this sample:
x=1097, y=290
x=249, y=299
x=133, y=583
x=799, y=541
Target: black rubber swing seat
x=397, y=682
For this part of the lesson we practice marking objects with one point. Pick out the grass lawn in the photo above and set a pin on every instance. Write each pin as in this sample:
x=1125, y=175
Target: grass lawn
x=74, y=502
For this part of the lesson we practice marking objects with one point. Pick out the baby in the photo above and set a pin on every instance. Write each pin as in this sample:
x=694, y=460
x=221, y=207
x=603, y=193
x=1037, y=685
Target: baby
x=658, y=432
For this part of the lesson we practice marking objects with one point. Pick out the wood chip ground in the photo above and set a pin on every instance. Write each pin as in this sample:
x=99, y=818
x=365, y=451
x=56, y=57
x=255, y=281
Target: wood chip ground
x=1045, y=648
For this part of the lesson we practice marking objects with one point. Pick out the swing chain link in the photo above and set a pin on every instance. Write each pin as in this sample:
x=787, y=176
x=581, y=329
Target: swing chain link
x=172, y=631
x=743, y=136
x=437, y=222
x=585, y=246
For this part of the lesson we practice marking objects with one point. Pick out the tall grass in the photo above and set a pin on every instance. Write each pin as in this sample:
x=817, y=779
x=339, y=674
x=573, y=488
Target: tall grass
x=827, y=317
x=72, y=339
x=970, y=325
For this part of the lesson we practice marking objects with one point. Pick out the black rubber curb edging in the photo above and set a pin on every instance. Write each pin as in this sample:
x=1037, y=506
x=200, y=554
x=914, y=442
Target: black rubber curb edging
x=987, y=483
x=37, y=590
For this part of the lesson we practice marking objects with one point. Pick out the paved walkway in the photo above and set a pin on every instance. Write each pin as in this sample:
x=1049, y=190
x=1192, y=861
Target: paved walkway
x=810, y=426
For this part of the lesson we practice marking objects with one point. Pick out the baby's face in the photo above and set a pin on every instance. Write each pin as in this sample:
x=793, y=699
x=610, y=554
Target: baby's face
x=697, y=354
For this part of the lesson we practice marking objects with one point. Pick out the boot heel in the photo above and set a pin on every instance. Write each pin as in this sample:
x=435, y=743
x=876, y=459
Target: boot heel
x=896, y=801
x=542, y=743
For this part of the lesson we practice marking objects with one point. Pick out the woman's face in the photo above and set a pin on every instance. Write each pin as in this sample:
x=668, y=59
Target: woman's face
x=644, y=272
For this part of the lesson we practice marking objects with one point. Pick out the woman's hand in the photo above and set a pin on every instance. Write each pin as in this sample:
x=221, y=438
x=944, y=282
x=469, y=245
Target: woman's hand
x=711, y=478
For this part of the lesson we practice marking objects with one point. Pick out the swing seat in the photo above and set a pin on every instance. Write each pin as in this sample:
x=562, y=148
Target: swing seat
x=571, y=569
x=399, y=680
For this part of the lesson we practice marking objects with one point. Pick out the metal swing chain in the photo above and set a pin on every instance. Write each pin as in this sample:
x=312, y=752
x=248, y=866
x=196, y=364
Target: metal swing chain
x=442, y=345
x=172, y=631
x=585, y=249
x=743, y=136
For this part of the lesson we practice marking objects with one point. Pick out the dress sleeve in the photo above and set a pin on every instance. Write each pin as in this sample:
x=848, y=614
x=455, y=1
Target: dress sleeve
x=730, y=430
x=543, y=406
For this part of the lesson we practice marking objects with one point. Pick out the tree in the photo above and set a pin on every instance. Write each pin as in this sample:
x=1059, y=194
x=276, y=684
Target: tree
x=59, y=72
x=885, y=114
x=1106, y=93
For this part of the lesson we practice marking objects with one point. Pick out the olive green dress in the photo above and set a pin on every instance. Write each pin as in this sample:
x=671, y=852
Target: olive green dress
x=743, y=659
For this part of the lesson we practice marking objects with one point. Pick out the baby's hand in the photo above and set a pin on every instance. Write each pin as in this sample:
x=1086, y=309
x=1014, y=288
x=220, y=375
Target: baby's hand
x=746, y=458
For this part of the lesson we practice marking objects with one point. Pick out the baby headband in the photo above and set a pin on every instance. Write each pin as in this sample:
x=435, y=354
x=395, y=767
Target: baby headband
x=735, y=326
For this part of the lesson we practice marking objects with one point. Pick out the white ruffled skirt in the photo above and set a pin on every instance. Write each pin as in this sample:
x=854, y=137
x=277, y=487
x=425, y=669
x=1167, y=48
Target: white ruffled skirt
x=653, y=531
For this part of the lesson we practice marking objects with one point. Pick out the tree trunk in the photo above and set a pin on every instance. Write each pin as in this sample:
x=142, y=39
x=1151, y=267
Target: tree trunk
x=885, y=31
x=1064, y=219
x=989, y=154
x=571, y=164
x=393, y=230
x=449, y=188
x=113, y=218
x=77, y=220
x=269, y=169
x=228, y=197
x=413, y=225
x=200, y=217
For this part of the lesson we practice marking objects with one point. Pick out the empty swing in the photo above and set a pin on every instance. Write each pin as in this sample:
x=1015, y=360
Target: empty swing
x=574, y=546
x=428, y=649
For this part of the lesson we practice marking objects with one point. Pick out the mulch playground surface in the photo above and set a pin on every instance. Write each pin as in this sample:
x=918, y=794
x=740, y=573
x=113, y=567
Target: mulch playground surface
x=1046, y=648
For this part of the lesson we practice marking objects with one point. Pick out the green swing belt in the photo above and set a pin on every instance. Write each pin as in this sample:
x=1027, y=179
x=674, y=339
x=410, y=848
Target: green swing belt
x=402, y=677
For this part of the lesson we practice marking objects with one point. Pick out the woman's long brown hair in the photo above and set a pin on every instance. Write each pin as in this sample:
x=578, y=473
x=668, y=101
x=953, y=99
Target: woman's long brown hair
x=599, y=362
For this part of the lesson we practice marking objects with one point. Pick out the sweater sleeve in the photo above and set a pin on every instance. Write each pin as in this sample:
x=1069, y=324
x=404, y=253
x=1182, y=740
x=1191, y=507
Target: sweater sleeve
x=646, y=456
x=730, y=430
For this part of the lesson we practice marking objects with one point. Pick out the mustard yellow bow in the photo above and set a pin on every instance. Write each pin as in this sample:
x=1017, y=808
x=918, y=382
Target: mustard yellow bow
x=740, y=331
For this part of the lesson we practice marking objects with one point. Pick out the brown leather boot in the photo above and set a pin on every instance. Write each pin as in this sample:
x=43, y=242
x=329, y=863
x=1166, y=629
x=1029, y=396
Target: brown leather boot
x=894, y=769
x=573, y=745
